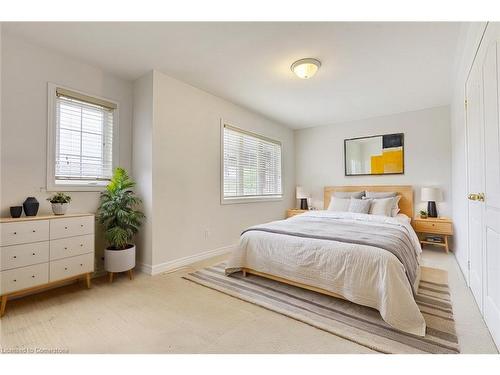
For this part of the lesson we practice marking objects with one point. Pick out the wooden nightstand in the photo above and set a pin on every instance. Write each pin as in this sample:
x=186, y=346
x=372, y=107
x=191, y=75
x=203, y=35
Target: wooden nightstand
x=294, y=211
x=441, y=226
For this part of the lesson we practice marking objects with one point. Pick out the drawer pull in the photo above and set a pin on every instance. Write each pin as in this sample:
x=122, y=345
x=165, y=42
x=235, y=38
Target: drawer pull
x=15, y=232
x=34, y=254
x=81, y=265
x=65, y=248
x=33, y=276
x=34, y=231
x=65, y=268
x=81, y=225
x=15, y=280
x=81, y=245
x=65, y=227
x=15, y=256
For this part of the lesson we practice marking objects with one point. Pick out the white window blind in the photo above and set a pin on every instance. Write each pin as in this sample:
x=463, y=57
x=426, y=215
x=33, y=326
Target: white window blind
x=252, y=165
x=83, y=139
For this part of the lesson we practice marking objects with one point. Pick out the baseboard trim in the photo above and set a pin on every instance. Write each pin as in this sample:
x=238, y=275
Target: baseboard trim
x=182, y=262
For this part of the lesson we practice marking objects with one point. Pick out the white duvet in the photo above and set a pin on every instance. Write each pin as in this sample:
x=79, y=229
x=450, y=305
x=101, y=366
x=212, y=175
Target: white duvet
x=363, y=274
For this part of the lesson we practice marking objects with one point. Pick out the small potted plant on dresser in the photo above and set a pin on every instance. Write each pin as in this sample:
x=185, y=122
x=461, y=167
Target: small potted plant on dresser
x=60, y=203
x=121, y=220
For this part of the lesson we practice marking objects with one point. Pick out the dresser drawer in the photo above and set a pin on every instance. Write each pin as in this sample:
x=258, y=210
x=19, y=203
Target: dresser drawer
x=73, y=226
x=68, y=267
x=24, y=278
x=433, y=227
x=71, y=246
x=24, y=255
x=24, y=232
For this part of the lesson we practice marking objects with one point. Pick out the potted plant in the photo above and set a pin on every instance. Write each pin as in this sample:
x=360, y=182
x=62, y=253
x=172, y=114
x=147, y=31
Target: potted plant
x=121, y=220
x=60, y=203
x=423, y=214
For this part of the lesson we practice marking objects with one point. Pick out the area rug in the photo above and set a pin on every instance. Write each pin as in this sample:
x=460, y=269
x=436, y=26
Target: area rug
x=360, y=324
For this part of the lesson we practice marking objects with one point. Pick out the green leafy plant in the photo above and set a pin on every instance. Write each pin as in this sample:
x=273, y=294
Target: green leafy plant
x=117, y=211
x=59, y=198
x=423, y=213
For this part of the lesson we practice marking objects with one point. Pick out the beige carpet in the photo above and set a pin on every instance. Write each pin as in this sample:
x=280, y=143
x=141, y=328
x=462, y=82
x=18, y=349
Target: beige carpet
x=353, y=322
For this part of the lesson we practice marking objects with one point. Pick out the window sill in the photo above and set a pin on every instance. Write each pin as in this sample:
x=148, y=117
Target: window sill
x=76, y=187
x=239, y=200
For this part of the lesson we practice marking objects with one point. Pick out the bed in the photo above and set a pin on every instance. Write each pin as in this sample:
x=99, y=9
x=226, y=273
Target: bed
x=371, y=260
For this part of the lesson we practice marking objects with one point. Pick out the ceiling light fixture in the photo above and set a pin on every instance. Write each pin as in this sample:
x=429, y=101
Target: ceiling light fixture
x=305, y=68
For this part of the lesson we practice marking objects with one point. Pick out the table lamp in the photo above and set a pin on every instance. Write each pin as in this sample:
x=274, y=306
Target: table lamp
x=431, y=195
x=302, y=195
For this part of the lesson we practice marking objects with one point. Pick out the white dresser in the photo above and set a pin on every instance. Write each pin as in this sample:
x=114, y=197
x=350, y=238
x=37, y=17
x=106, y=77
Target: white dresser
x=38, y=251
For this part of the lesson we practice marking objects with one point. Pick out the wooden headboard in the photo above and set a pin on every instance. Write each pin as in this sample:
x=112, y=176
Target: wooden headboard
x=406, y=192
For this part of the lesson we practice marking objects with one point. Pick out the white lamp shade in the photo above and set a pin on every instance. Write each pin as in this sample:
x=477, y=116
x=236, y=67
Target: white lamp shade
x=301, y=193
x=431, y=194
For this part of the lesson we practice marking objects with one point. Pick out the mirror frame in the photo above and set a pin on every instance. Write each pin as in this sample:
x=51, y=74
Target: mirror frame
x=374, y=174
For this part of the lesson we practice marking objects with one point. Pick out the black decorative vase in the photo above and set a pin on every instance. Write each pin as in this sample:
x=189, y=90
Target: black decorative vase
x=16, y=211
x=431, y=209
x=30, y=206
x=303, y=204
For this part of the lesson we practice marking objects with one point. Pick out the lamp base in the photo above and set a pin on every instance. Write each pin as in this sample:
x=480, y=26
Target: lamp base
x=303, y=204
x=431, y=209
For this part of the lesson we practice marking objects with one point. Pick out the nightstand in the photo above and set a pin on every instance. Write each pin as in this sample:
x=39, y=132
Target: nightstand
x=441, y=227
x=294, y=211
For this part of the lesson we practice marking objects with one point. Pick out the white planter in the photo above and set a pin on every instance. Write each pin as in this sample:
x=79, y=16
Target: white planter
x=119, y=260
x=59, y=208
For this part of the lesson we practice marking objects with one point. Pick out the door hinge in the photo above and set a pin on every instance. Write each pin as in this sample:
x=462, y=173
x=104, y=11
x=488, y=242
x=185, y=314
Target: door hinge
x=468, y=265
x=465, y=103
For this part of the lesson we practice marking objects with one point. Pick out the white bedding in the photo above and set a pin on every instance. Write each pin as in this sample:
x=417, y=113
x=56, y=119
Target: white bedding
x=366, y=275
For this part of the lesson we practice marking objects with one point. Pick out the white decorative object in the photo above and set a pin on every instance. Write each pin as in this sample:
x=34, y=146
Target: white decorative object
x=59, y=208
x=119, y=260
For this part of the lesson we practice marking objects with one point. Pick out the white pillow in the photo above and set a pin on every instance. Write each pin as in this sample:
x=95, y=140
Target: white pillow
x=361, y=206
x=381, y=207
x=339, y=204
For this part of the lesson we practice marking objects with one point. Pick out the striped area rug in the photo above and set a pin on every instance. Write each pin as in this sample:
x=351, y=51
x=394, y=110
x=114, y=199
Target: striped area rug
x=360, y=324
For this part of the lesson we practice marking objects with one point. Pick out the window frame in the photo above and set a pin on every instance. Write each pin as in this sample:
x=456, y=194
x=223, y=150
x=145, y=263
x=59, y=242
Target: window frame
x=51, y=143
x=253, y=199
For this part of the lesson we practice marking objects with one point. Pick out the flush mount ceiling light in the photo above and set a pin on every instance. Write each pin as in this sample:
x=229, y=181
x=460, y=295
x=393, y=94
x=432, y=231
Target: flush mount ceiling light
x=305, y=68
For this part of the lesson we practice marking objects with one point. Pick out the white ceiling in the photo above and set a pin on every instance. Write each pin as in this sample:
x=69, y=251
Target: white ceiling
x=368, y=69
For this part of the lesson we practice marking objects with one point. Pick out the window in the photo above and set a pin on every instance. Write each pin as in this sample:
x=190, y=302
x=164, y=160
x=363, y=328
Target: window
x=80, y=140
x=251, y=166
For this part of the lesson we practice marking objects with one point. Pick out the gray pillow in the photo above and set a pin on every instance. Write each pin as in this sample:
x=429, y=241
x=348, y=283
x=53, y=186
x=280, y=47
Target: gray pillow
x=382, y=206
x=361, y=206
x=395, y=203
x=380, y=194
x=349, y=194
x=339, y=204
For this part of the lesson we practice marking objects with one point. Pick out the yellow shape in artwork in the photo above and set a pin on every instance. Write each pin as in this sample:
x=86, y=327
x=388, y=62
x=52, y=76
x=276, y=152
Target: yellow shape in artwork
x=391, y=161
x=377, y=164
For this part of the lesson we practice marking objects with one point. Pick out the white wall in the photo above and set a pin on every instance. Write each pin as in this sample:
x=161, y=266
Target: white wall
x=26, y=69
x=142, y=161
x=188, y=217
x=320, y=154
x=468, y=43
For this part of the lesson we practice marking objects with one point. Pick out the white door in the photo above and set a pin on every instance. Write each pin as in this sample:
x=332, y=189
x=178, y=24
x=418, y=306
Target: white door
x=483, y=167
x=491, y=277
x=475, y=175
